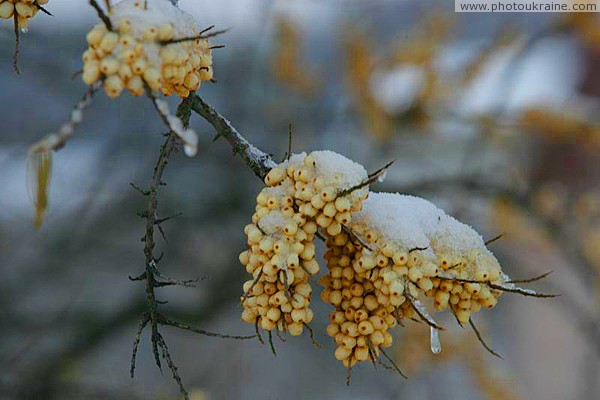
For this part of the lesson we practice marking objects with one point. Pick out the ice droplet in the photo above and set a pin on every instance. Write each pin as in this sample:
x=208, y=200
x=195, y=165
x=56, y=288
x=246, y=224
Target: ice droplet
x=24, y=30
x=436, y=346
x=382, y=176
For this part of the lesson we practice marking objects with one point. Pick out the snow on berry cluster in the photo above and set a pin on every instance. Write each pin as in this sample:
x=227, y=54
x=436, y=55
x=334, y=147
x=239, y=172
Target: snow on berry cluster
x=146, y=46
x=302, y=195
x=385, y=253
x=417, y=246
x=24, y=10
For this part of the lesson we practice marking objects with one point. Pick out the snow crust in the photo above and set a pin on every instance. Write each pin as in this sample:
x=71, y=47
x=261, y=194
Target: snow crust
x=410, y=222
x=273, y=223
x=158, y=12
x=338, y=170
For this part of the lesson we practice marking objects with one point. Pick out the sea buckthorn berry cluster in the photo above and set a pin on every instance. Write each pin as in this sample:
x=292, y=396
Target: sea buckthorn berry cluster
x=280, y=257
x=369, y=278
x=143, y=49
x=360, y=322
x=322, y=184
x=416, y=243
x=385, y=253
x=391, y=265
x=281, y=251
x=24, y=10
x=473, y=264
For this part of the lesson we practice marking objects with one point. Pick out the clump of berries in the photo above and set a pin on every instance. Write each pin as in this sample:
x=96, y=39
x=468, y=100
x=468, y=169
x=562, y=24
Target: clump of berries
x=21, y=10
x=302, y=195
x=416, y=246
x=468, y=274
x=361, y=320
x=160, y=47
x=385, y=253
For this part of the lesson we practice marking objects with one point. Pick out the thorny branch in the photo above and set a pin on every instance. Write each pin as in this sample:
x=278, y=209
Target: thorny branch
x=152, y=277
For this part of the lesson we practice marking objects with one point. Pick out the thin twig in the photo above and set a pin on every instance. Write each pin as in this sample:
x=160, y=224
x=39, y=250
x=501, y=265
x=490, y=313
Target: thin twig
x=372, y=353
x=421, y=311
x=349, y=377
x=521, y=291
x=354, y=237
x=172, y=366
x=76, y=74
x=456, y=316
x=190, y=283
x=398, y=370
x=285, y=284
x=312, y=336
x=196, y=37
x=320, y=237
x=17, y=44
x=370, y=179
x=101, y=14
x=136, y=342
x=417, y=249
x=206, y=29
x=289, y=153
x=279, y=336
x=161, y=220
x=42, y=9
x=247, y=294
x=139, y=189
x=56, y=141
x=494, y=239
x=534, y=279
x=271, y=343
x=380, y=170
x=258, y=335
x=502, y=288
x=480, y=338
x=166, y=321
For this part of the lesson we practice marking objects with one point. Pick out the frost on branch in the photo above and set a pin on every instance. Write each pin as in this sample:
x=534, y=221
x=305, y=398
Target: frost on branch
x=386, y=252
x=188, y=136
x=159, y=46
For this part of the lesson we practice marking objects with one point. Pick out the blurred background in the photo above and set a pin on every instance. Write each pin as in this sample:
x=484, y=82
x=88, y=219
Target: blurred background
x=493, y=117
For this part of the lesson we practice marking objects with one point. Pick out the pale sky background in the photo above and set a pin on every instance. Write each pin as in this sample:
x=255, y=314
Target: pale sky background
x=242, y=15
x=223, y=12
